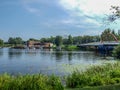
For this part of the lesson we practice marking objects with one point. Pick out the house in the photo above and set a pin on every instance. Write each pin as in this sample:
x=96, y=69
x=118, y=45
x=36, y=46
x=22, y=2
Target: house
x=47, y=45
x=38, y=45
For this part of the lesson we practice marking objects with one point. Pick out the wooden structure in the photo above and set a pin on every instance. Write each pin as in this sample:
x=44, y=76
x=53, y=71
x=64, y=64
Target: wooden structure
x=38, y=45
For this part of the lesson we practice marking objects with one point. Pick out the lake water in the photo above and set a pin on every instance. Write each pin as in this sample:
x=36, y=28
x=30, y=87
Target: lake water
x=46, y=61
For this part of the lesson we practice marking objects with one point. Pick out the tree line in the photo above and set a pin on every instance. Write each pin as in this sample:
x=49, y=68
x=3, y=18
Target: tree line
x=107, y=35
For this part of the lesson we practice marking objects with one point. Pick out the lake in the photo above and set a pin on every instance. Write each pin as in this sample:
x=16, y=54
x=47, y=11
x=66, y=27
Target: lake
x=14, y=61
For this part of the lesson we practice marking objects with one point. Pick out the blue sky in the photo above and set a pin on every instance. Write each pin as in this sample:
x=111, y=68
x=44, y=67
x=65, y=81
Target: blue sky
x=45, y=18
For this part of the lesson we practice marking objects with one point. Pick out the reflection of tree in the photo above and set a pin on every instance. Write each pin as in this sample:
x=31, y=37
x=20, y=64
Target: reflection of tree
x=31, y=52
x=69, y=56
x=14, y=53
x=1, y=52
x=58, y=55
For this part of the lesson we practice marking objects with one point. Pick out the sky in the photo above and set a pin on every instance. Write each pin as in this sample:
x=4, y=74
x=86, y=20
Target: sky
x=45, y=18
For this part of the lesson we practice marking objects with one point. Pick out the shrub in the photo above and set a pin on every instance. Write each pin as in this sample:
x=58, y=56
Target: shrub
x=115, y=74
x=106, y=74
x=116, y=52
x=55, y=83
x=30, y=82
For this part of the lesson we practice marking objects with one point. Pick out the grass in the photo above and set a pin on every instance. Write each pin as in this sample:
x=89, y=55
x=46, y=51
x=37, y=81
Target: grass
x=108, y=87
x=100, y=77
x=108, y=74
x=30, y=82
x=70, y=47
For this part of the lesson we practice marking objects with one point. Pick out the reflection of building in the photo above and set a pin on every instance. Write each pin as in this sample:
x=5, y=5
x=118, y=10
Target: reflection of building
x=37, y=45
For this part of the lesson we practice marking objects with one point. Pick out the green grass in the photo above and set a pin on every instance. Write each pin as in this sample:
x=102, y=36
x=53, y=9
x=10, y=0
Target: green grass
x=108, y=87
x=108, y=74
x=30, y=82
x=101, y=77
x=70, y=47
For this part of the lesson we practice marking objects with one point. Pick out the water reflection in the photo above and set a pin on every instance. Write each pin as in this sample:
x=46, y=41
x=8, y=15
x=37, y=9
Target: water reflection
x=45, y=61
x=59, y=55
x=1, y=52
x=30, y=52
x=14, y=53
x=70, y=56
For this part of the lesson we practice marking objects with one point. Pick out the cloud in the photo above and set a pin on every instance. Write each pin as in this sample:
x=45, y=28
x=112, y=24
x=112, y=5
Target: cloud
x=31, y=9
x=89, y=7
x=39, y=7
x=88, y=20
x=92, y=12
x=27, y=4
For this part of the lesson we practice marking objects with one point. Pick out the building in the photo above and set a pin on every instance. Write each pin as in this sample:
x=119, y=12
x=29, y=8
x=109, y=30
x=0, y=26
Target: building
x=38, y=45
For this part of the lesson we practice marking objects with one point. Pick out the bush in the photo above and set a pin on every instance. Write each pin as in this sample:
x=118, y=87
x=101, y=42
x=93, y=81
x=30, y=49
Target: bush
x=101, y=75
x=116, y=52
x=55, y=83
x=115, y=74
x=30, y=82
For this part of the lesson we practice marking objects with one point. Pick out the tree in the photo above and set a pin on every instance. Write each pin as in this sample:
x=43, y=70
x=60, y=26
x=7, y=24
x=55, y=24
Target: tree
x=11, y=40
x=58, y=41
x=1, y=42
x=18, y=40
x=115, y=14
x=15, y=41
x=108, y=35
x=70, y=40
x=116, y=52
x=33, y=39
x=52, y=39
x=77, y=40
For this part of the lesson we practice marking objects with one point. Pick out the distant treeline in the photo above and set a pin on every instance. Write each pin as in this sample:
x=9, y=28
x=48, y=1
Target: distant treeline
x=58, y=40
x=107, y=35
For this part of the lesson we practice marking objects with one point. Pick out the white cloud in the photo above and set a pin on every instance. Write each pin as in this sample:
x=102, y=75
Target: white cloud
x=89, y=7
x=31, y=9
x=67, y=21
x=88, y=20
x=92, y=11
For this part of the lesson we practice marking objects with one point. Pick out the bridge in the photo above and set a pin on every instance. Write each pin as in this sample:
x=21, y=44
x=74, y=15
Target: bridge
x=104, y=47
x=107, y=43
x=101, y=47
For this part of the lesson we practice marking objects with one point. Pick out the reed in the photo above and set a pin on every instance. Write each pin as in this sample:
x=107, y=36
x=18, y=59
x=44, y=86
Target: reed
x=101, y=75
x=30, y=82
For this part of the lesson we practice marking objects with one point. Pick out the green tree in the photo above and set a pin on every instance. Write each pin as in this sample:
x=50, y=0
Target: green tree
x=18, y=40
x=1, y=42
x=116, y=52
x=52, y=39
x=108, y=35
x=33, y=39
x=43, y=40
x=58, y=41
x=11, y=40
x=15, y=41
x=70, y=40
x=77, y=40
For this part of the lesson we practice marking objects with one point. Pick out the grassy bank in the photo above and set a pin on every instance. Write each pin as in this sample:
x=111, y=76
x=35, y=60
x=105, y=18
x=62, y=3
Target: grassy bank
x=70, y=48
x=102, y=77
x=108, y=74
x=30, y=82
x=108, y=87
